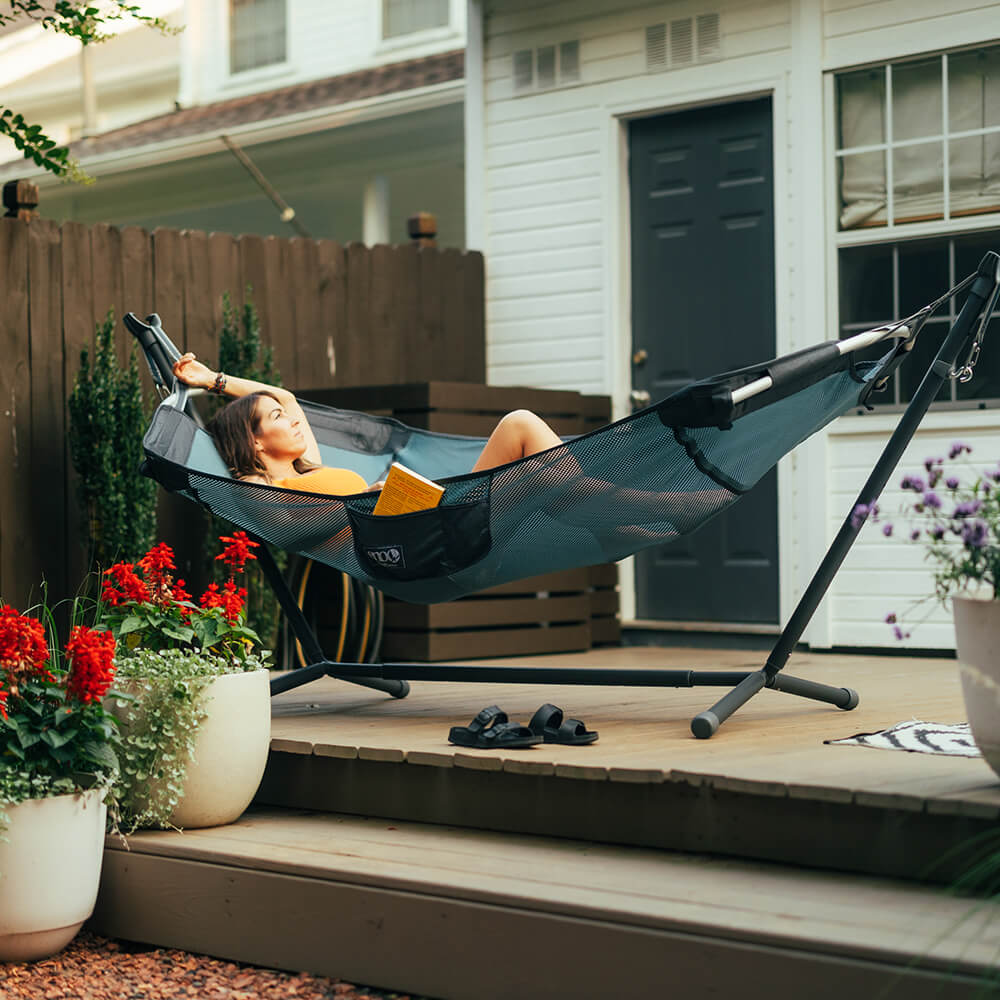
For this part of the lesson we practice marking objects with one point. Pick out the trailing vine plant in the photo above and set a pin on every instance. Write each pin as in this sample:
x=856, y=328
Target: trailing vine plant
x=107, y=420
x=243, y=353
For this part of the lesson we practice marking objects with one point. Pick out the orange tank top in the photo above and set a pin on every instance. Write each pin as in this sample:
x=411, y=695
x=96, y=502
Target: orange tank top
x=326, y=480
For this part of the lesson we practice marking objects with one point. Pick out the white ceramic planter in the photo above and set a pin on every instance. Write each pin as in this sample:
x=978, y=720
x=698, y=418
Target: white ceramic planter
x=50, y=867
x=977, y=634
x=230, y=750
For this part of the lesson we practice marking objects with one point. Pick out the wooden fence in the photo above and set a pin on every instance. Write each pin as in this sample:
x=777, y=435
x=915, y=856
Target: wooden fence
x=334, y=315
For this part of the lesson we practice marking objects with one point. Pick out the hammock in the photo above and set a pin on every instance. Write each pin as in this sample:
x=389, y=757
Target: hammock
x=638, y=482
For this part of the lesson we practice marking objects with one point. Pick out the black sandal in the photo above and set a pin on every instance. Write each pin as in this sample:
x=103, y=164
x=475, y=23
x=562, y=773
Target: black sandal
x=490, y=728
x=548, y=723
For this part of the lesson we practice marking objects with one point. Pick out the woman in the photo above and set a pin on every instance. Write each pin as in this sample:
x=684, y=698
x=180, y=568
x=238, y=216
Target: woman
x=264, y=437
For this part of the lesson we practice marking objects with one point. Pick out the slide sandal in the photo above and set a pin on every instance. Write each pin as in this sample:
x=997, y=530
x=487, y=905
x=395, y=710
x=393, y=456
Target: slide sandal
x=548, y=722
x=490, y=728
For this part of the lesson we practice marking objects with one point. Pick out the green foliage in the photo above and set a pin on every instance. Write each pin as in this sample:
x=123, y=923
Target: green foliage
x=77, y=20
x=56, y=737
x=242, y=353
x=160, y=705
x=107, y=422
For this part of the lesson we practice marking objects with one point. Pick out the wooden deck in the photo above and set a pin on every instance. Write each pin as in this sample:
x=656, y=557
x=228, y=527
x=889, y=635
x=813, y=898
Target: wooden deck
x=379, y=852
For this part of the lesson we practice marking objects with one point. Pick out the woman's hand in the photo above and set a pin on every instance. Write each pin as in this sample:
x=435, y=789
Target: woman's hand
x=192, y=372
x=375, y=487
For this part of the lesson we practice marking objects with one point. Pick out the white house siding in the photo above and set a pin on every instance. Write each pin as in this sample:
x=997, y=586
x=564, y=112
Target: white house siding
x=553, y=248
x=323, y=39
x=889, y=575
x=554, y=204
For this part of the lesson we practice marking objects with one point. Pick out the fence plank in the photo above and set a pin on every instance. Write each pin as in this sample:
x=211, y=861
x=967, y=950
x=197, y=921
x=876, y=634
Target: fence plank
x=381, y=362
x=411, y=363
x=352, y=354
x=78, y=333
x=48, y=418
x=309, y=345
x=449, y=360
x=224, y=276
x=106, y=264
x=331, y=308
x=199, y=332
x=279, y=326
x=253, y=274
x=168, y=283
x=474, y=330
x=137, y=287
x=19, y=572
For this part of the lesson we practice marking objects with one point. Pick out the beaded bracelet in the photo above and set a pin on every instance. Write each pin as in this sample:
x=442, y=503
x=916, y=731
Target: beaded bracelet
x=219, y=385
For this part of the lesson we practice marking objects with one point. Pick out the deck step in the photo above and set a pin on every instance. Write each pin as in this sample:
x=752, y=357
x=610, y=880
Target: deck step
x=452, y=913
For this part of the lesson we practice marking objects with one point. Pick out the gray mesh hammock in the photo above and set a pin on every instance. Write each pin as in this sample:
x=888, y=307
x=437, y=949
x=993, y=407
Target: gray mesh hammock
x=638, y=482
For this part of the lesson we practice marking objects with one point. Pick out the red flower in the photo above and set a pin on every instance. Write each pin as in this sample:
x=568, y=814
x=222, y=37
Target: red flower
x=230, y=599
x=23, y=649
x=124, y=585
x=237, y=551
x=3, y=703
x=158, y=559
x=92, y=663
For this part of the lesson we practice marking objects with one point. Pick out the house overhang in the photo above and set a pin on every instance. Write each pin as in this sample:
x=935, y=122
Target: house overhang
x=370, y=95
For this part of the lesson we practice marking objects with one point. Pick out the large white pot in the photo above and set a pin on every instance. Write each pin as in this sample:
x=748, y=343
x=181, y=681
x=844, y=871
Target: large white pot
x=230, y=750
x=977, y=635
x=50, y=867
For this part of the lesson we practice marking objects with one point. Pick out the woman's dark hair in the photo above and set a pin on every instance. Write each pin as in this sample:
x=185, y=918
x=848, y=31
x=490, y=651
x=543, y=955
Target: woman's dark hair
x=233, y=429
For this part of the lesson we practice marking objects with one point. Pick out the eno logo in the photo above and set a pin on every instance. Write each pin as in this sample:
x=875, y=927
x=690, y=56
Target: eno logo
x=390, y=556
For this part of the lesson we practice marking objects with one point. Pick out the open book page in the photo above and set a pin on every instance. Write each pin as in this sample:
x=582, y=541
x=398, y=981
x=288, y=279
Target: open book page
x=406, y=491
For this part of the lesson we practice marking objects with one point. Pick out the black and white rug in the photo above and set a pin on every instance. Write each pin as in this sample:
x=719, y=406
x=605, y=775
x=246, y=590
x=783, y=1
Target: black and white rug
x=918, y=737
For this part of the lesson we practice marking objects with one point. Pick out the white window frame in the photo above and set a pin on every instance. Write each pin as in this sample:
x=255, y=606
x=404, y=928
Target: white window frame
x=453, y=30
x=256, y=73
x=893, y=233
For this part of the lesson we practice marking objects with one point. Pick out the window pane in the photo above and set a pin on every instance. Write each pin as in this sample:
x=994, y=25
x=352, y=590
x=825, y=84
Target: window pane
x=862, y=190
x=923, y=273
x=912, y=371
x=403, y=17
x=974, y=174
x=974, y=90
x=865, y=288
x=861, y=108
x=546, y=66
x=916, y=99
x=985, y=384
x=569, y=61
x=256, y=33
x=918, y=182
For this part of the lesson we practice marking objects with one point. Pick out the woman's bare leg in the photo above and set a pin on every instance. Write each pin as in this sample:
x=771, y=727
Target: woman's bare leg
x=518, y=434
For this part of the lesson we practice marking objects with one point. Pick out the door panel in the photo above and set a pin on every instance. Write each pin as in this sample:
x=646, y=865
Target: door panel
x=702, y=219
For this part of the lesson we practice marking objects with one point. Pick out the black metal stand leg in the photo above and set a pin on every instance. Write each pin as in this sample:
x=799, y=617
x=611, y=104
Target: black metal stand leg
x=318, y=663
x=961, y=332
x=845, y=698
x=706, y=723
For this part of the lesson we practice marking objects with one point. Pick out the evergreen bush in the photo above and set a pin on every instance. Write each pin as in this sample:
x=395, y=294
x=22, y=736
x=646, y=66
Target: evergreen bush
x=107, y=421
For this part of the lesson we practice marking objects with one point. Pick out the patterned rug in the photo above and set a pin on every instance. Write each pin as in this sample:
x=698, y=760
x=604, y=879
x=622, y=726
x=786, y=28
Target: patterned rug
x=918, y=737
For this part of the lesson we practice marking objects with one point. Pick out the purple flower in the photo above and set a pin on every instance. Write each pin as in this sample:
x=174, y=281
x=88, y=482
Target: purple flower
x=890, y=618
x=967, y=508
x=898, y=632
x=887, y=531
x=932, y=500
x=975, y=533
x=861, y=513
x=915, y=534
x=937, y=532
x=914, y=483
x=957, y=448
x=952, y=483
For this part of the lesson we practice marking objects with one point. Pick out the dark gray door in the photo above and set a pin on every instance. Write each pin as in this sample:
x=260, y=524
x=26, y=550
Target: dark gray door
x=702, y=214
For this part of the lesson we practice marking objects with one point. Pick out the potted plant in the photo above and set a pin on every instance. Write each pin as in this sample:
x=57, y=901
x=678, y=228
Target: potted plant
x=58, y=758
x=956, y=519
x=195, y=707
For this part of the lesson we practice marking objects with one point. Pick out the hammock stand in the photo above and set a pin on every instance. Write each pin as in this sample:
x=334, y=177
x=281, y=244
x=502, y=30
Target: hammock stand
x=712, y=424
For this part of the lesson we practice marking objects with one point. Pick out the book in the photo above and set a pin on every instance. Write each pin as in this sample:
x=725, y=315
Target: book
x=406, y=491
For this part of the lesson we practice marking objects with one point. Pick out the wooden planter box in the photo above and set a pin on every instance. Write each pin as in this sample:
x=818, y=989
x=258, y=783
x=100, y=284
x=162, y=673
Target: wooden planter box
x=556, y=612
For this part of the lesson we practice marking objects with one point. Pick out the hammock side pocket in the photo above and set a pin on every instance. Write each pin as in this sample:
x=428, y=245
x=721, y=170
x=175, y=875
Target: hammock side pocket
x=424, y=544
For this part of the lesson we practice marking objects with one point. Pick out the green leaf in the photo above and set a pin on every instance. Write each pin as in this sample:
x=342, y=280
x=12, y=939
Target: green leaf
x=131, y=624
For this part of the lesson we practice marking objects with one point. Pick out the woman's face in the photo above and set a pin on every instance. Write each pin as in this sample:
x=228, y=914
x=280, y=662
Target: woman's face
x=277, y=435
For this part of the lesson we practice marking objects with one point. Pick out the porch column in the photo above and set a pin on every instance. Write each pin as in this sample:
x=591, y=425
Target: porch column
x=376, y=211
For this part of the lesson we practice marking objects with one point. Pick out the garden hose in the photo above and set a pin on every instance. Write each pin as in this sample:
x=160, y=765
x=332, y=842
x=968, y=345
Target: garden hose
x=362, y=614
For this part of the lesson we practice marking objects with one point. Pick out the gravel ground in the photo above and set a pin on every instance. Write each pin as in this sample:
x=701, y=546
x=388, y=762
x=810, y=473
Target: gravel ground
x=96, y=968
